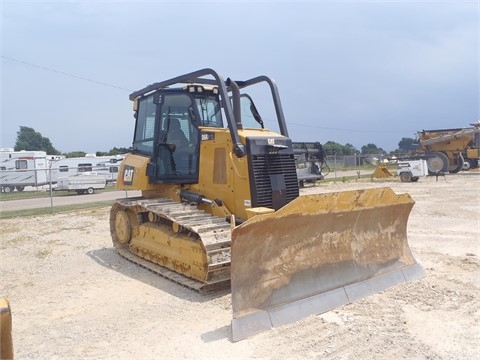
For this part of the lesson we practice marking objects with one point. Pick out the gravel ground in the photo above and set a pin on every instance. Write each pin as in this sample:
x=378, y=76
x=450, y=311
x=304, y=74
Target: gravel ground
x=73, y=297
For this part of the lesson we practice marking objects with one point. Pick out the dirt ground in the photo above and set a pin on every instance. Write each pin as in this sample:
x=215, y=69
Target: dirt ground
x=73, y=297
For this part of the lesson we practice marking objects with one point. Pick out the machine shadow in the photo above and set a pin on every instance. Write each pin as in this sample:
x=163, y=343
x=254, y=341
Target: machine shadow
x=221, y=333
x=110, y=259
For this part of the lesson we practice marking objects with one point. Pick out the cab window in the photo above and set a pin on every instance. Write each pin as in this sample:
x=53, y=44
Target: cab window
x=145, y=126
x=250, y=116
x=210, y=111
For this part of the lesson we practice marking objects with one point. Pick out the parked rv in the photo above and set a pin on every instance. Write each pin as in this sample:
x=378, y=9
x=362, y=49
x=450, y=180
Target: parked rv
x=19, y=169
x=85, y=183
x=105, y=166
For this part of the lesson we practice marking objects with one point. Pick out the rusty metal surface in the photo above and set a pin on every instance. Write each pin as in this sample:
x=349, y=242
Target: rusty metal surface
x=6, y=343
x=317, y=253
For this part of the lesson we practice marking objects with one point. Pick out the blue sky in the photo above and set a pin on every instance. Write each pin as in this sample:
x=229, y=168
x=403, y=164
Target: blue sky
x=353, y=72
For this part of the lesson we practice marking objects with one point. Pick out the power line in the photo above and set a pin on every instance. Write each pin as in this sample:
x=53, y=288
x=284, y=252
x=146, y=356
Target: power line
x=349, y=130
x=291, y=124
x=65, y=73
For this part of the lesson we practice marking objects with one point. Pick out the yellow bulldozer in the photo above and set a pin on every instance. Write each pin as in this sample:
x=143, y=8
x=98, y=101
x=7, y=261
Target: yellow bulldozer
x=220, y=206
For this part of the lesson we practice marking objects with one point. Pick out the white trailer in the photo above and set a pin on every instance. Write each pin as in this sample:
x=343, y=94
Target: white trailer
x=19, y=169
x=412, y=170
x=106, y=166
x=85, y=183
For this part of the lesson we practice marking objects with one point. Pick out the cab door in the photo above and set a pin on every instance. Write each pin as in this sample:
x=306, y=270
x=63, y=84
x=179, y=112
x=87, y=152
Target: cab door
x=176, y=154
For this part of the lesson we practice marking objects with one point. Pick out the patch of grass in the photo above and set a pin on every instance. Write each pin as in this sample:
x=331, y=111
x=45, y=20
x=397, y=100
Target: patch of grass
x=42, y=254
x=345, y=179
x=10, y=228
x=18, y=195
x=55, y=210
x=349, y=168
x=16, y=241
x=54, y=242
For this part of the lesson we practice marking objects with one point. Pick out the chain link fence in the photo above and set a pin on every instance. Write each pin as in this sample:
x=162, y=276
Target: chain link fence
x=352, y=165
x=23, y=190
x=28, y=189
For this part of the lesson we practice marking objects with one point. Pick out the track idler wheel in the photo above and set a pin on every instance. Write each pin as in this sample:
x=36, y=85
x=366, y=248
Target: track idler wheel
x=122, y=222
x=123, y=227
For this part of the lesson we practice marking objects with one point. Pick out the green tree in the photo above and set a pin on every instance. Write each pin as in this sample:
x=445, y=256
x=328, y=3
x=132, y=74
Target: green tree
x=372, y=149
x=407, y=144
x=113, y=152
x=333, y=148
x=31, y=140
x=349, y=149
x=73, y=154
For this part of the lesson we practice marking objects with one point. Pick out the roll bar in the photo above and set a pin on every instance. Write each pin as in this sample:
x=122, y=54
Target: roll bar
x=232, y=114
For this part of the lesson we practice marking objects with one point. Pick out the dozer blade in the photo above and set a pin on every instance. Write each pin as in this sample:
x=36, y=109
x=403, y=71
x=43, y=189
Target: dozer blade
x=317, y=253
x=382, y=172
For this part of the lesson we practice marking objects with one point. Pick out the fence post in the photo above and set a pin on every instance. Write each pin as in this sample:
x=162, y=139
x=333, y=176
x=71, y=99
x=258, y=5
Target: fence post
x=50, y=183
x=335, y=165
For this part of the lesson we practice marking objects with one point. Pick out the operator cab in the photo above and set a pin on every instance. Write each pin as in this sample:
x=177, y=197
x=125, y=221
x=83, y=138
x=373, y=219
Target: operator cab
x=167, y=130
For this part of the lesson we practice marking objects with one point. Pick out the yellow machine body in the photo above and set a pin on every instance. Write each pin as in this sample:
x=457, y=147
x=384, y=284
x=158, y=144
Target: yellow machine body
x=221, y=174
x=237, y=218
x=6, y=343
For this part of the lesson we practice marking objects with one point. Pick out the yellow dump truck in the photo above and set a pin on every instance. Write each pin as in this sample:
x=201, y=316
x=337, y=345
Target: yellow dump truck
x=450, y=150
x=220, y=206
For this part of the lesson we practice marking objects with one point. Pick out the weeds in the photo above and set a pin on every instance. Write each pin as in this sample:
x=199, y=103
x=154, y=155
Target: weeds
x=42, y=254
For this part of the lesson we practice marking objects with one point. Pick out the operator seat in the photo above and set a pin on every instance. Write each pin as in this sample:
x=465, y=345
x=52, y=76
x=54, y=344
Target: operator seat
x=181, y=152
x=176, y=135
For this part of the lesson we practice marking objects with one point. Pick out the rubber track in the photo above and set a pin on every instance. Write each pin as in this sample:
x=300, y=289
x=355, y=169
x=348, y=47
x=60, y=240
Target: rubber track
x=189, y=217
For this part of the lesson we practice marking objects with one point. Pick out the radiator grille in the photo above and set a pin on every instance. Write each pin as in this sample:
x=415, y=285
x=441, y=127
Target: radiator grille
x=270, y=164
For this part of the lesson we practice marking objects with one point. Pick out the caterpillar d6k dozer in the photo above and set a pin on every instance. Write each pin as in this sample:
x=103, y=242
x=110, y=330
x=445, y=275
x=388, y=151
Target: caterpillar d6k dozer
x=220, y=207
